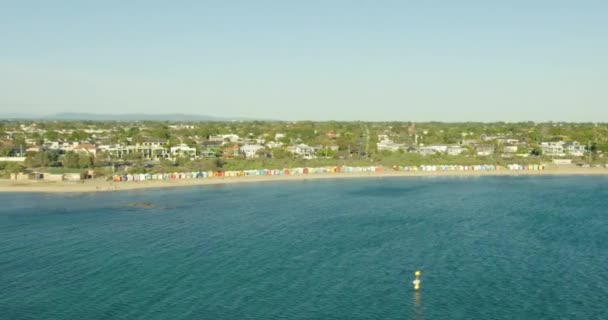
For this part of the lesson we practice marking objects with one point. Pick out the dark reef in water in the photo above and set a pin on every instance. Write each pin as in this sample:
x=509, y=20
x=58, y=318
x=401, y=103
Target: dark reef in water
x=146, y=204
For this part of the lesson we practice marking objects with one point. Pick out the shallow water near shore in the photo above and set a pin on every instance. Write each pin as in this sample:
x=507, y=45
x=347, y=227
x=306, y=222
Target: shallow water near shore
x=489, y=248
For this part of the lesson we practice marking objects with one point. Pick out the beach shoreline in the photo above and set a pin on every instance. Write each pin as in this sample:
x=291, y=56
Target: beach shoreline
x=101, y=185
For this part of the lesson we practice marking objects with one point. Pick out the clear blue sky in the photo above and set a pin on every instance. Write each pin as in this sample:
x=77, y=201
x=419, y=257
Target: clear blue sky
x=318, y=60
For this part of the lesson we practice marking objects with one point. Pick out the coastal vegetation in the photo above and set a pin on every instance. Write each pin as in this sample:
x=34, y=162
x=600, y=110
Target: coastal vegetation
x=153, y=146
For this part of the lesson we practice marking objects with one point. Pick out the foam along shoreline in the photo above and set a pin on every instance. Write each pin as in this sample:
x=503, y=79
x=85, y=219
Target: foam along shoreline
x=101, y=185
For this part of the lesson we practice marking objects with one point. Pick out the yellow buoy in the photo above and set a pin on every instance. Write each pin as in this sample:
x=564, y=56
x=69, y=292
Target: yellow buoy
x=416, y=281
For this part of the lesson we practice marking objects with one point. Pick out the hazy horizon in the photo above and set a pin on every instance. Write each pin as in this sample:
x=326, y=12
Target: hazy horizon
x=369, y=61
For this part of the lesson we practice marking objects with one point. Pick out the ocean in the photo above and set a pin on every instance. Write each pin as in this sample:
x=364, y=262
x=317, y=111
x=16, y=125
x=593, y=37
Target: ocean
x=488, y=248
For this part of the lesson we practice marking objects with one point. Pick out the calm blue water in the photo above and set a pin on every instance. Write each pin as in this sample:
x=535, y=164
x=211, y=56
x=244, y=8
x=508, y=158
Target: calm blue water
x=489, y=248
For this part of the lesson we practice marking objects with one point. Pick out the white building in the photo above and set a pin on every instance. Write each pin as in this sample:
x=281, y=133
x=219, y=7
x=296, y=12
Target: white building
x=62, y=146
x=432, y=149
x=223, y=138
x=575, y=148
x=484, y=150
x=274, y=144
x=303, y=151
x=389, y=146
x=386, y=144
x=439, y=147
x=553, y=148
x=250, y=150
x=86, y=148
x=427, y=150
x=183, y=150
x=455, y=150
x=148, y=152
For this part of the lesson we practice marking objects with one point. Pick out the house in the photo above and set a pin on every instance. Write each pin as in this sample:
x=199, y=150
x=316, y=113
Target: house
x=233, y=151
x=575, y=148
x=441, y=148
x=250, y=150
x=216, y=138
x=231, y=137
x=427, y=150
x=509, y=149
x=148, y=152
x=211, y=144
x=432, y=149
x=484, y=150
x=331, y=134
x=388, y=145
x=208, y=153
x=86, y=148
x=486, y=137
x=153, y=142
x=507, y=141
x=184, y=151
x=553, y=148
x=33, y=149
x=63, y=146
x=273, y=144
x=454, y=150
x=303, y=151
x=181, y=127
x=468, y=142
x=154, y=153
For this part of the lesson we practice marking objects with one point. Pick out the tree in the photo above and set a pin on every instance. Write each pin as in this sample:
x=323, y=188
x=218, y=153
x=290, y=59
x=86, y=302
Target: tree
x=160, y=132
x=263, y=153
x=132, y=132
x=137, y=139
x=85, y=161
x=173, y=141
x=280, y=153
x=536, y=151
x=5, y=151
x=182, y=161
x=51, y=135
x=134, y=156
x=71, y=160
x=38, y=159
x=102, y=158
x=11, y=167
x=19, y=142
x=219, y=163
x=79, y=135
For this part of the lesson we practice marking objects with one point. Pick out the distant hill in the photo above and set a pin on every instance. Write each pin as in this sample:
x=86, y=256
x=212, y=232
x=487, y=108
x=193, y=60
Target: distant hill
x=125, y=117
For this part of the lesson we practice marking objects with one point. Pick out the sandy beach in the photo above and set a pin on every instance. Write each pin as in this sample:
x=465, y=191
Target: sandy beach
x=101, y=185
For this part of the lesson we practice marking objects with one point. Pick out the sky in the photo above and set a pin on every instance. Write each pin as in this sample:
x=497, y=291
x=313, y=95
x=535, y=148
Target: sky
x=308, y=60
